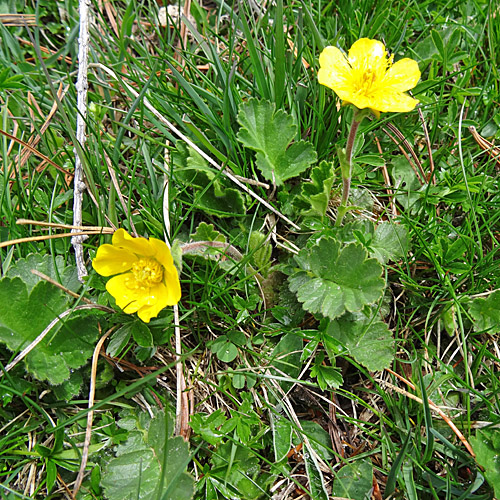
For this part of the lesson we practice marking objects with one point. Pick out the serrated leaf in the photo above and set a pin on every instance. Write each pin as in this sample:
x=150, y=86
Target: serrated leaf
x=326, y=376
x=390, y=242
x=55, y=268
x=335, y=280
x=152, y=466
x=486, y=446
x=316, y=194
x=23, y=316
x=354, y=481
x=269, y=133
x=211, y=195
x=486, y=313
x=369, y=342
x=238, y=466
x=207, y=232
x=57, y=356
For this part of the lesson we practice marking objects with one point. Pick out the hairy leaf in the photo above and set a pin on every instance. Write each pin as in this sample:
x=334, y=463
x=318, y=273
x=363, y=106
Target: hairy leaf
x=334, y=280
x=269, y=133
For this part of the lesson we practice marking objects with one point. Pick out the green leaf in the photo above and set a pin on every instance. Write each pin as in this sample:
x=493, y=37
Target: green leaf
x=282, y=436
x=316, y=194
x=224, y=347
x=211, y=195
x=55, y=268
x=354, y=481
x=269, y=132
x=286, y=358
x=389, y=242
x=58, y=355
x=335, y=280
x=207, y=426
x=486, y=446
x=240, y=468
x=315, y=476
x=261, y=251
x=438, y=42
x=24, y=315
x=486, y=312
x=327, y=376
x=119, y=340
x=369, y=342
x=142, y=334
x=151, y=465
x=320, y=440
x=10, y=82
x=207, y=232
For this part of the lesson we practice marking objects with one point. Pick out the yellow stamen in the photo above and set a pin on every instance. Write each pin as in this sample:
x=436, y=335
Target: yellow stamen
x=146, y=272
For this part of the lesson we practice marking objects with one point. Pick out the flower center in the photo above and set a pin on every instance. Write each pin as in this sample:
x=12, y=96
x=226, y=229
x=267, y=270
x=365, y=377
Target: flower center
x=366, y=81
x=146, y=272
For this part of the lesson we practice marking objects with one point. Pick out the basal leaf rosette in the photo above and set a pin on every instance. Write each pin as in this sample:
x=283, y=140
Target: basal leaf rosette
x=367, y=77
x=145, y=279
x=333, y=280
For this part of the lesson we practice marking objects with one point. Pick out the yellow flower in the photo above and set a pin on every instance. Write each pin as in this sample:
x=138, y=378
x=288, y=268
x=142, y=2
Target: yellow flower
x=367, y=77
x=146, y=280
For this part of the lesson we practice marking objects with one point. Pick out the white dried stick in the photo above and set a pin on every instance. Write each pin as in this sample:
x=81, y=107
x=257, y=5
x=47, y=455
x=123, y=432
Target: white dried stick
x=81, y=91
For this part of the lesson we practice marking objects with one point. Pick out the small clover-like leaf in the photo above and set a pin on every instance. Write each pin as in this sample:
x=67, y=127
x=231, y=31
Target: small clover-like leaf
x=369, y=342
x=335, y=280
x=269, y=133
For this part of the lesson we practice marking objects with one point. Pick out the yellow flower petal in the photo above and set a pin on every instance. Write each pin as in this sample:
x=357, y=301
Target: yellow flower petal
x=110, y=260
x=170, y=274
x=334, y=69
x=366, y=52
x=139, y=246
x=397, y=102
x=158, y=300
x=127, y=298
x=403, y=75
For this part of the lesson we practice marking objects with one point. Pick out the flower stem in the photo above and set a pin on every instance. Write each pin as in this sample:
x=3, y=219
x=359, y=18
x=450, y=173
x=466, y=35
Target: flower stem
x=345, y=156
